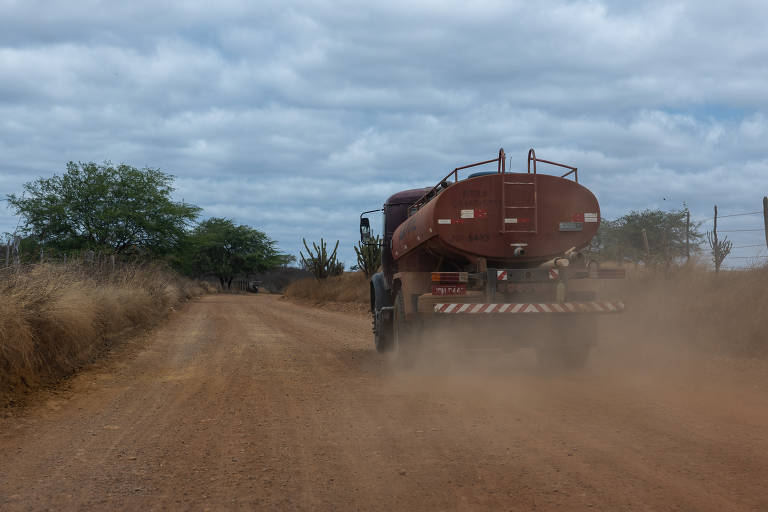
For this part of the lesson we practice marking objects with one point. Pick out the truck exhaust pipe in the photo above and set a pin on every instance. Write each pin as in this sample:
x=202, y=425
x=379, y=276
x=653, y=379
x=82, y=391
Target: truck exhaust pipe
x=559, y=262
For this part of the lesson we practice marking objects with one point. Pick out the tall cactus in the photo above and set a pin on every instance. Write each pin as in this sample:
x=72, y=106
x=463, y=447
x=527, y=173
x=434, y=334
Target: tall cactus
x=369, y=256
x=318, y=262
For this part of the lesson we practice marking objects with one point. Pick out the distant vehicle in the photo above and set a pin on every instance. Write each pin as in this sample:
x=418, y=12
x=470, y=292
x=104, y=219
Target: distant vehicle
x=495, y=249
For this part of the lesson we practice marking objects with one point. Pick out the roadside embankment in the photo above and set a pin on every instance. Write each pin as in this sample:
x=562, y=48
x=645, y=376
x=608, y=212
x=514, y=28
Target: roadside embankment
x=54, y=318
x=346, y=292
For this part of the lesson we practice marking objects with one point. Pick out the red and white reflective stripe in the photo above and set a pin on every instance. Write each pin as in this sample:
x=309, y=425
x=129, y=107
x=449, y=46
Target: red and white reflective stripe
x=501, y=275
x=554, y=273
x=533, y=307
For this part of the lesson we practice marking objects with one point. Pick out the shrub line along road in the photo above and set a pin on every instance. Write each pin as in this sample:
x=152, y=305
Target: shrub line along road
x=253, y=402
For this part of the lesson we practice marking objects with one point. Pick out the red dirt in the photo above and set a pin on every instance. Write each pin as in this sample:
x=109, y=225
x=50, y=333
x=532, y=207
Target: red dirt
x=252, y=402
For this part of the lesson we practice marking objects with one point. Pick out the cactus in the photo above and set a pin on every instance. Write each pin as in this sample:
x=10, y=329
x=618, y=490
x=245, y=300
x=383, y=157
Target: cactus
x=319, y=263
x=369, y=256
x=720, y=249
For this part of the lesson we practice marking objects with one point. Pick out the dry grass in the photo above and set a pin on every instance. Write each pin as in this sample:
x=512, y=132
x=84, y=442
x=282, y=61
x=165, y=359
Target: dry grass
x=348, y=287
x=724, y=313
x=55, y=318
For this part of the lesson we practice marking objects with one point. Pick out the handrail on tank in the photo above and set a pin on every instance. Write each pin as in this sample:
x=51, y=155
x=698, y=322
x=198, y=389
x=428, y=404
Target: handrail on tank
x=501, y=159
x=532, y=158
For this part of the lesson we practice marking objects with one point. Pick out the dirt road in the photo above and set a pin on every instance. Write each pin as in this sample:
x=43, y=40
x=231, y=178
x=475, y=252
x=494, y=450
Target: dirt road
x=251, y=402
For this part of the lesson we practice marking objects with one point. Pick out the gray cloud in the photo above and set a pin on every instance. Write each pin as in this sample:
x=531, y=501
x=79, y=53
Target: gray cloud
x=294, y=118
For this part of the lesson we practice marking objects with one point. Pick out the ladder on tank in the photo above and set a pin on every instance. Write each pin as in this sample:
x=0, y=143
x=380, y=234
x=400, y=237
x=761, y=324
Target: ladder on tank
x=521, y=217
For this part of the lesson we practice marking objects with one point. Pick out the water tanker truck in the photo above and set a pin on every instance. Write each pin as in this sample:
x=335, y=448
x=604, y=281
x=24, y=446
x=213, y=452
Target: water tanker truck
x=494, y=256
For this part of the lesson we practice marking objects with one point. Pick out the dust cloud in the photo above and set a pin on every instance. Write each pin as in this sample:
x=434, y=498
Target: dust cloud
x=692, y=338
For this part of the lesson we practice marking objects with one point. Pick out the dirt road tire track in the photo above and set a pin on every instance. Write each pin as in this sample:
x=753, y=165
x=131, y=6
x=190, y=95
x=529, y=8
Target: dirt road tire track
x=252, y=402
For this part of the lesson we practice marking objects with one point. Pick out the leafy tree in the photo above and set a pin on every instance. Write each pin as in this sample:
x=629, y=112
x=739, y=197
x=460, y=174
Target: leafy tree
x=103, y=207
x=217, y=246
x=622, y=238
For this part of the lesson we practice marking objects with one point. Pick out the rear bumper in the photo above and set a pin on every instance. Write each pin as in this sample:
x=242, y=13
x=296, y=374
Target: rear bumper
x=564, y=308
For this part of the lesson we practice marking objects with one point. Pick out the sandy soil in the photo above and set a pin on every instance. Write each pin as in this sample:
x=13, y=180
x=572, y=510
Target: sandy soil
x=252, y=402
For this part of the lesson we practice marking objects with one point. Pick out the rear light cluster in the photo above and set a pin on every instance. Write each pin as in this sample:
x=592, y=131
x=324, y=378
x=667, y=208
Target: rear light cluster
x=450, y=277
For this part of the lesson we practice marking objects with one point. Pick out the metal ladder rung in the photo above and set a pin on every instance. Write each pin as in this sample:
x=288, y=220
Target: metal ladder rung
x=513, y=211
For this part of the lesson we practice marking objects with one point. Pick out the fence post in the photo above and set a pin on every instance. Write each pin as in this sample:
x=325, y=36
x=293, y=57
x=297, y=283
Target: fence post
x=716, y=245
x=647, y=248
x=765, y=218
x=16, y=258
x=687, y=235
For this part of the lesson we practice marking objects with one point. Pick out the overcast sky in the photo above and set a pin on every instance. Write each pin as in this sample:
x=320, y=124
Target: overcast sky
x=293, y=117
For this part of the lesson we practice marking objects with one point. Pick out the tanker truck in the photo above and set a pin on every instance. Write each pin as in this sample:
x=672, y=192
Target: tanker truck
x=493, y=255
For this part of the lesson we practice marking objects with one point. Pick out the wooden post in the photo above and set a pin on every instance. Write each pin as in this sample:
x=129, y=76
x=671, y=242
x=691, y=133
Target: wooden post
x=647, y=248
x=687, y=235
x=765, y=218
x=8, y=251
x=112, y=260
x=716, y=245
x=16, y=244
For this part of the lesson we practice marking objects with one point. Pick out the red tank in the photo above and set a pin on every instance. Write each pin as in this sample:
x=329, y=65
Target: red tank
x=510, y=219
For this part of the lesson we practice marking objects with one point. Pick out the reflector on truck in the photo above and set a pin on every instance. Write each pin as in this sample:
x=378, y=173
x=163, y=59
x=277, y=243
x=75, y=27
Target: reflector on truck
x=526, y=308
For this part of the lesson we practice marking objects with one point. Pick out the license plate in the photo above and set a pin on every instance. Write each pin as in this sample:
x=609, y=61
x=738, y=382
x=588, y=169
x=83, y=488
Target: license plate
x=452, y=289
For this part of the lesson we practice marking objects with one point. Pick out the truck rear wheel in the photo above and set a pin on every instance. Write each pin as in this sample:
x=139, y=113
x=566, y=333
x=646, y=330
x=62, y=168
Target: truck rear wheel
x=382, y=331
x=569, y=347
x=563, y=356
x=404, y=333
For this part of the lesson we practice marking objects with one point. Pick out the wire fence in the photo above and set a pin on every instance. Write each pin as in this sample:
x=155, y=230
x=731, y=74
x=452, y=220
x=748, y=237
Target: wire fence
x=742, y=228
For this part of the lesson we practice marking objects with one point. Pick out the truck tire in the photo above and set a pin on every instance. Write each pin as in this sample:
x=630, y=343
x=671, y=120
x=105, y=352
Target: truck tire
x=382, y=332
x=563, y=356
x=570, y=347
x=404, y=333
